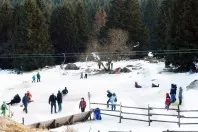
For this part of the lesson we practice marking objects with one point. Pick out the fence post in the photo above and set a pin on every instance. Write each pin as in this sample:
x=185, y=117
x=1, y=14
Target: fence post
x=149, y=119
x=178, y=110
x=120, y=121
x=23, y=121
x=89, y=98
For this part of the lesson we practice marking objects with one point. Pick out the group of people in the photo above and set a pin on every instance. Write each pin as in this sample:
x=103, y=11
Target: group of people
x=172, y=97
x=111, y=99
x=53, y=100
x=36, y=77
x=81, y=75
x=152, y=85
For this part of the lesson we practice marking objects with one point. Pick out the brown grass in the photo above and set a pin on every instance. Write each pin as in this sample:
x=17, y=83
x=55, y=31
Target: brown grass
x=8, y=125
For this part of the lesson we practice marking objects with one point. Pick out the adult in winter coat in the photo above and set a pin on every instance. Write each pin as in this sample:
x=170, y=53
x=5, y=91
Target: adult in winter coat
x=137, y=85
x=33, y=79
x=82, y=105
x=180, y=95
x=173, y=89
x=15, y=100
x=52, y=101
x=168, y=101
x=59, y=101
x=109, y=94
x=3, y=109
x=113, y=101
x=38, y=76
x=65, y=91
x=25, y=103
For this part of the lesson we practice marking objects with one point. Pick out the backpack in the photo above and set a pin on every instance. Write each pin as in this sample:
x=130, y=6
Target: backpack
x=115, y=99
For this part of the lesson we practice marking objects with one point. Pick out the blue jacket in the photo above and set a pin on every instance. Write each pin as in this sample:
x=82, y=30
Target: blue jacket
x=112, y=100
x=25, y=100
x=173, y=90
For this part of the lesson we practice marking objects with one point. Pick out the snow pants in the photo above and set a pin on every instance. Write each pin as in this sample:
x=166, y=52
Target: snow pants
x=53, y=105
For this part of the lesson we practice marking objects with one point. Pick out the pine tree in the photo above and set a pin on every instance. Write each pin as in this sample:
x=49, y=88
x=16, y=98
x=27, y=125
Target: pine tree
x=31, y=37
x=6, y=28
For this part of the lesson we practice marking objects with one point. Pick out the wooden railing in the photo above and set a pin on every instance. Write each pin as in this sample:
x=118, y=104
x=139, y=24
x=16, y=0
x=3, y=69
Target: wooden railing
x=148, y=112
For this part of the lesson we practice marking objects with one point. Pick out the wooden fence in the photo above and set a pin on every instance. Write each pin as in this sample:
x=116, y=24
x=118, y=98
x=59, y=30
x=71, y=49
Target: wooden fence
x=148, y=112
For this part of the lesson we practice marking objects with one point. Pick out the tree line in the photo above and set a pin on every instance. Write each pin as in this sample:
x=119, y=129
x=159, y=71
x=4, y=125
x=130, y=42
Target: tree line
x=48, y=28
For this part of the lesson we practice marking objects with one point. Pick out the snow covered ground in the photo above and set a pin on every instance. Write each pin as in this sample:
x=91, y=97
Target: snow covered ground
x=55, y=79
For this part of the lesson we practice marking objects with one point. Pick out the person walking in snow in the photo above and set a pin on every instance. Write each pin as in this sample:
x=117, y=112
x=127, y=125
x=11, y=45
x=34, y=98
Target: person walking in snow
x=82, y=105
x=33, y=79
x=109, y=94
x=113, y=101
x=59, y=101
x=81, y=75
x=25, y=103
x=167, y=102
x=38, y=76
x=3, y=109
x=173, y=92
x=52, y=101
x=85, y=76
x=180, y=95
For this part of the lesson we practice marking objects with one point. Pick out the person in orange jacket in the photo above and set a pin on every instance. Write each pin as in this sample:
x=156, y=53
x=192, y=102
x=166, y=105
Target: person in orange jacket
x=29, y=95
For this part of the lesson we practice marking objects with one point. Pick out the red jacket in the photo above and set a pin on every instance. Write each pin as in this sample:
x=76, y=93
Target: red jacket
x=167, y=102
x=82, y=104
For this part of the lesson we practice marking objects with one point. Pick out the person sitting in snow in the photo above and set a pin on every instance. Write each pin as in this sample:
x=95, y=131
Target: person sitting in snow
x=113, y=101
x=3, y=109
x=180, y=95
x=109, y=94
x=33, y=79
x=15, y=100
x=65, y=91
x=154, y=85
x=167, y=102
x=137, y=85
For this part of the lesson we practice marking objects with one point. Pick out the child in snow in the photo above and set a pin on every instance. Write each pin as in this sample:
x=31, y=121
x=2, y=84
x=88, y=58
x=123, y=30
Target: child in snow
x=137, y=85
x=81, y=75
x=38, y=77
x=113, y=101
x=180, y=95
x=65, y=91
x=167, y=102
x=3, y=109
x=82, y=105
x=85, y=76
x=33, y=78
x=29, y=95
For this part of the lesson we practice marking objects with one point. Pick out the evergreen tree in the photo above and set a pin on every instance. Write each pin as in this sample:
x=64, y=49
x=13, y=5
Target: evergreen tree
x=64, y=32
x=6, y=28
x=83, y=28
x=31, y=37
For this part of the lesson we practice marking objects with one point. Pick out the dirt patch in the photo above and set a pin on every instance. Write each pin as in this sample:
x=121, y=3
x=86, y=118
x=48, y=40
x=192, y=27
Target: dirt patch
x=8, y=125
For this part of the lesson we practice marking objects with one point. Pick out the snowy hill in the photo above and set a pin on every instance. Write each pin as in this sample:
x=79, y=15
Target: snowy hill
x=54, y=79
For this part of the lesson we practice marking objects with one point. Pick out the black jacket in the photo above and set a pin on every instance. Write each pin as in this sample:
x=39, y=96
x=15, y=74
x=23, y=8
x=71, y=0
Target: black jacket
x=17, y=98
x=52, y=99
x=109, y=94
x=59, y=97
x=65, y=91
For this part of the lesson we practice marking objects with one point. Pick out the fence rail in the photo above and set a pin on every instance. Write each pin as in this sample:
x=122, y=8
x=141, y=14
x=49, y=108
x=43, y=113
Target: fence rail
x=148, y=112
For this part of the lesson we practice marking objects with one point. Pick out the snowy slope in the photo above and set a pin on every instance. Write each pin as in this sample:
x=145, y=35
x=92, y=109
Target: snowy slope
x=55, y=79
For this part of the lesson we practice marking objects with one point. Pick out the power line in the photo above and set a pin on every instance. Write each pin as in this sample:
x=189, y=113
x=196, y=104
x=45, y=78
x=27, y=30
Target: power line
x=61, y=55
